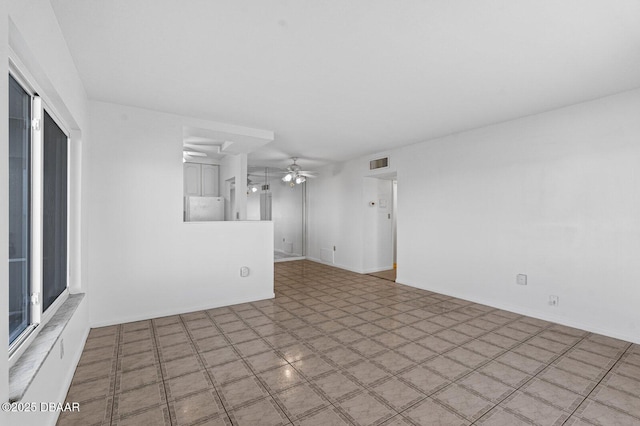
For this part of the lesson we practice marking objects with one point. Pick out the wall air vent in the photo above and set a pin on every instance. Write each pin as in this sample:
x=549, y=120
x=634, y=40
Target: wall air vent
x=379, y=163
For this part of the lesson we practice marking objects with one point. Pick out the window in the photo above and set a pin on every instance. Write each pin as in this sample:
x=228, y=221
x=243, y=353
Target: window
x=38, y=193
x=54, y=224
x=19, y=209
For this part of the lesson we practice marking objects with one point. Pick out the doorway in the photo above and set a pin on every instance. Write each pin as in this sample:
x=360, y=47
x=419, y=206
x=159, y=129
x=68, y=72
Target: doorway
x=283, y=203
x=381, y=226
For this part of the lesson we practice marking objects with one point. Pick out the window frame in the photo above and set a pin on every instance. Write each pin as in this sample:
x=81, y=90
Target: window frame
x=53, y=307
x=38, y=317
x=24, y=335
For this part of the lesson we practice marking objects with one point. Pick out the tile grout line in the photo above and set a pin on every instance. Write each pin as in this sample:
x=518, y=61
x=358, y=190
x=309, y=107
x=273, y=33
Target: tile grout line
x=548, y=365
x=242, y=357
x=368, y=387
x=198, y=354
x=115, y=373
x=306, y=380
x=474, y=370
x=629, y=346
x=338, y=369
x=532, y=376
x=156, y=345
x=514, y=320
x=491, y=359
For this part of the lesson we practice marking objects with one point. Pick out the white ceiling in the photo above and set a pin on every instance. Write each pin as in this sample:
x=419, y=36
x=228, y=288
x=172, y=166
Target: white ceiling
x=338, y=79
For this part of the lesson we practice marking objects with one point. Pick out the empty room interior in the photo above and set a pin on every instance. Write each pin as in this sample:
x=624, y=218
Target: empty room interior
x=320, y=212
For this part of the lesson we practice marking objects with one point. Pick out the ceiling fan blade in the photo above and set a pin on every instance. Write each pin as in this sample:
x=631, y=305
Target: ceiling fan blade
x=200, y=140
x=195, y=153
x=198, y=147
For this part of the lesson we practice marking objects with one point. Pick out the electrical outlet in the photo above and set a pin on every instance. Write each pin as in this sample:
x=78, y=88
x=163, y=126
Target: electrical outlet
x=553, y=300
x=521, y=279
x=244, y=271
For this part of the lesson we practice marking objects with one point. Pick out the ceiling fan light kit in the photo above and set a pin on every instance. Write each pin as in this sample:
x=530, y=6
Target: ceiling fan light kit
x=294, y=175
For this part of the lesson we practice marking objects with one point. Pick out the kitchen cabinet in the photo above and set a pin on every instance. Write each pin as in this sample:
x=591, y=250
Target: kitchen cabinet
x=209, y=182
x=200, y=180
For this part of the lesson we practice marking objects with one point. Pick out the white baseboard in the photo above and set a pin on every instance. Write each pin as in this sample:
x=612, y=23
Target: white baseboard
x=346, y=268
x=373, y=270
x=177, y=311
x=283, y=252
x=289, y=259
x=545, y=316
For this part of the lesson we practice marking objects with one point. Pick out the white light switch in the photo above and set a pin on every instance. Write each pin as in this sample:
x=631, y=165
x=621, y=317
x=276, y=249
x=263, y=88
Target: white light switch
x=244, y=271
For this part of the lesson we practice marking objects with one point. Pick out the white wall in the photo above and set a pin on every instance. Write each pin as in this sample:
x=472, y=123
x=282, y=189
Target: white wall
x=339, y=215
x=253, y=205
x=144, y=261
x=555, y=196
x=377, y=225
x=335, y=208
x=234, y=167
x=30, y=29
x=287, y=215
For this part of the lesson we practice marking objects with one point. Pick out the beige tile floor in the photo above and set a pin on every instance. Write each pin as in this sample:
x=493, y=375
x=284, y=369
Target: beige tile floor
x=338, y=348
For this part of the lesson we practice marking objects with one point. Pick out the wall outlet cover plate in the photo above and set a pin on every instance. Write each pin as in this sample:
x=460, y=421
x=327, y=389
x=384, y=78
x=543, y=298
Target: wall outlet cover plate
x=521, y=279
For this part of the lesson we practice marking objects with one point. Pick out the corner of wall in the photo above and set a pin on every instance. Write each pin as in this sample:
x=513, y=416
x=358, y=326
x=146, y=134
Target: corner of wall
x=4, y=215
x=52, y=382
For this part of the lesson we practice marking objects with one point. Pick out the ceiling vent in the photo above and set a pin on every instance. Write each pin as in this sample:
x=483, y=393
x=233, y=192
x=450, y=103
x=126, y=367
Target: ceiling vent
x=379, y=163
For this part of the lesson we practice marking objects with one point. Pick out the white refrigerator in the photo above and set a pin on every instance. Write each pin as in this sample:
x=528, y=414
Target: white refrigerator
x=203, y=209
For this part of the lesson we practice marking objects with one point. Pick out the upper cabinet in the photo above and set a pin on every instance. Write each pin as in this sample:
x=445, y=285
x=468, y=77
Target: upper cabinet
x=209, y=182
x=200, y=180
x=192, y=179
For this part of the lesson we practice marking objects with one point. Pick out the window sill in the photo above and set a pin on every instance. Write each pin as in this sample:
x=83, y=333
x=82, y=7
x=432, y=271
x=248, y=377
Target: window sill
x=27, y=366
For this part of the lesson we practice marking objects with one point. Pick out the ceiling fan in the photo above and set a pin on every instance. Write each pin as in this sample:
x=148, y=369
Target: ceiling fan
x=294, y=175
x=255, y=178
x=251, y=185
